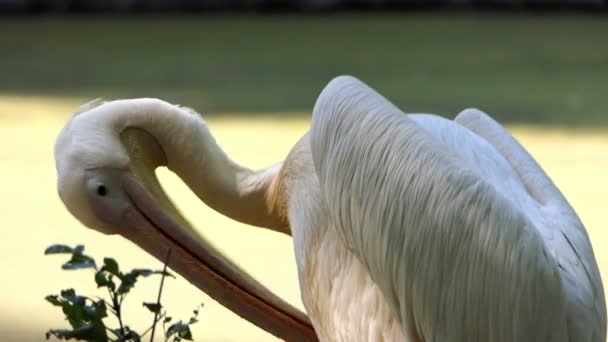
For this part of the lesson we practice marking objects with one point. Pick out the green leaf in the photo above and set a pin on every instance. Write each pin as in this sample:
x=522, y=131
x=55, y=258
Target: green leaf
x=89, y=332
x=58, y=249
x=118, y=332
x=153, y=307
x=77, y=309
x=126, y=283
x=128, y=280
x=179, y=329
x=131, y=335
x=85, y=315
x=147, y=272
x=72, y=297
x=74, y=314
x=79, y=261
x=79, y=249
x=186, y=334
x=68, y=293
x=167, y=319
x=53, y=299
x=111, y=266
x=73, y=308
x=195, y=312
x=96, y=311
x=102, y=280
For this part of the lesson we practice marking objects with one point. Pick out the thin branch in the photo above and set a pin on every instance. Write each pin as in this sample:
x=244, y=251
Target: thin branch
x=163, y=315
x=112, y=331
x=111, y=308
x=165, y=328
x=115, y=307
x=160, y=292
x=118, y=313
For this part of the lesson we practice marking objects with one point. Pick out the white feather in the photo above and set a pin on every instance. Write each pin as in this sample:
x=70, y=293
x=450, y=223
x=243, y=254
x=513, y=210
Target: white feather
x=92, y=139
x=464, y=236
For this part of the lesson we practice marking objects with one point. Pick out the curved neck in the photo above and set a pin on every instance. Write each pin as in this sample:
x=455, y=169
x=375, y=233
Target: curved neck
x=193, y=154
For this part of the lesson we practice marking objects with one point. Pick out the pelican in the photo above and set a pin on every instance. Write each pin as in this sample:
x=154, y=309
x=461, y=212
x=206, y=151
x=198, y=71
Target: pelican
x=405, y=227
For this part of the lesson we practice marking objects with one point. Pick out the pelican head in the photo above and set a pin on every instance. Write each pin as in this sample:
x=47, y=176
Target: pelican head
x=88, y=173
x=106, y=156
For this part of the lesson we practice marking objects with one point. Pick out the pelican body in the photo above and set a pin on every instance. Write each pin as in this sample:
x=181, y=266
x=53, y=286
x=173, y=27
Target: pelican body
x=406, y=227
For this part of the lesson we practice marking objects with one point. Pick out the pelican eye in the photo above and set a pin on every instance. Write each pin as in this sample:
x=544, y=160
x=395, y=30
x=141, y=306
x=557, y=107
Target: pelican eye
x=102, y=190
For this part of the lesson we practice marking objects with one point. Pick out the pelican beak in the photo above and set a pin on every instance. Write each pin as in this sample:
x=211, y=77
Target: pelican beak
x=154, y=223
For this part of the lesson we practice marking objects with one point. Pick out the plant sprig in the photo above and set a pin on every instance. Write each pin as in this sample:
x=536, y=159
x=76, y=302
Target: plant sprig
x=87, y=316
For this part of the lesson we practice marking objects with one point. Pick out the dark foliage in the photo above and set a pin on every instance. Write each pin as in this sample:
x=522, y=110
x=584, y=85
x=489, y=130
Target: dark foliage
x=86, y=315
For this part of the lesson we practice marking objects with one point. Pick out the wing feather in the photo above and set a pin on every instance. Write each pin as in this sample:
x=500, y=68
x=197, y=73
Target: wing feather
x=454, y=258
x=563, y=232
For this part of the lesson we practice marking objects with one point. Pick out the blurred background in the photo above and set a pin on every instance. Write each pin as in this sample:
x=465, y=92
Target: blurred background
x=254, y=68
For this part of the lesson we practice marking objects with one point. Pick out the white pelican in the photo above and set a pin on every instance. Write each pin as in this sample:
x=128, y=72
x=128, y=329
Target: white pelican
x=405, y=227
